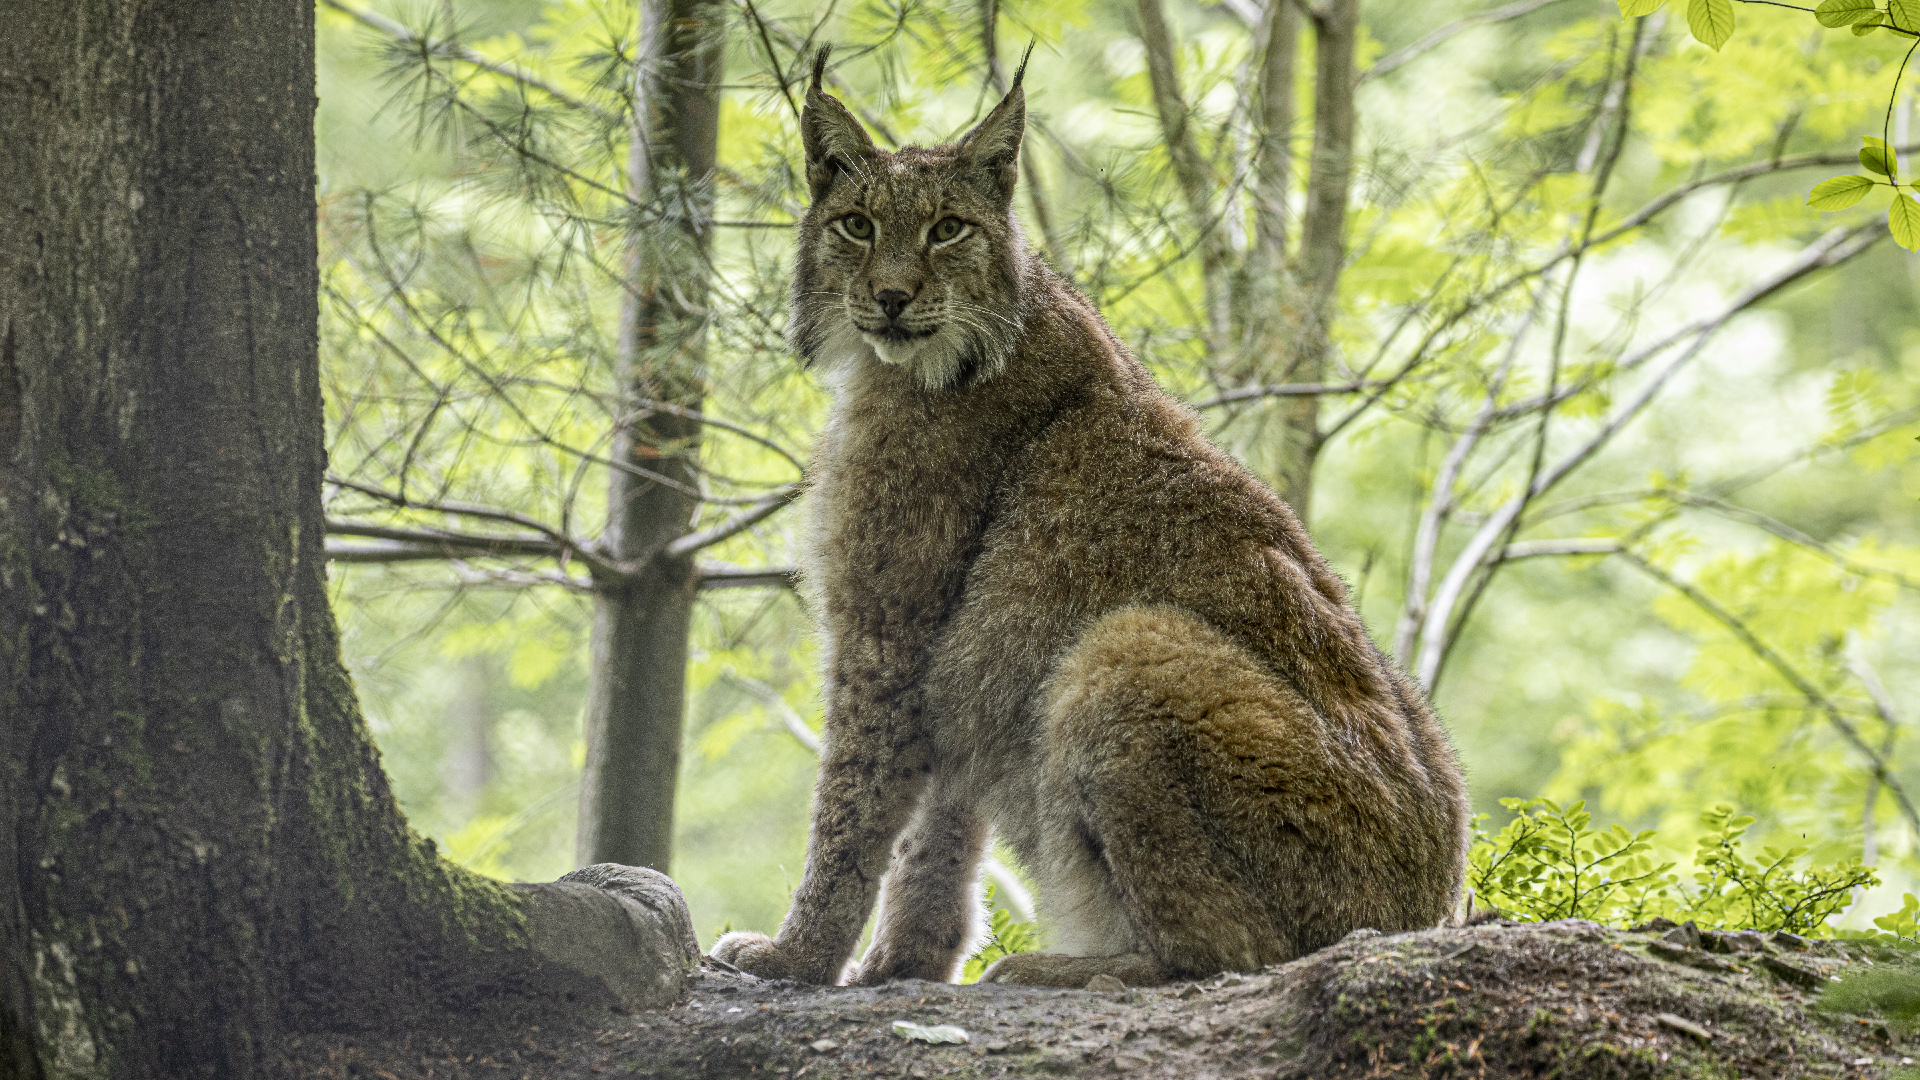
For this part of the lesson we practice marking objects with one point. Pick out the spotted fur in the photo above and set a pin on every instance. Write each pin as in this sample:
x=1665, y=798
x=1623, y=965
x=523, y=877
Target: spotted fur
x=1054, y=611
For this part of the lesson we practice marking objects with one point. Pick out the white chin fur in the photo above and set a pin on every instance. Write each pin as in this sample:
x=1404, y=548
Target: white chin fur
x=934, y=361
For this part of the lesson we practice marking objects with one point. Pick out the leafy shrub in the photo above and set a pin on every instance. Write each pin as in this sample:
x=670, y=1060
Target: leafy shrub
x=1548, y=863
x=1005, y=937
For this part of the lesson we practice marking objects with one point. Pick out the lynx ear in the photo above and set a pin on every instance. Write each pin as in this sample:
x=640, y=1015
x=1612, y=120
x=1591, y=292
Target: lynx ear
x=835, y=142
x=993, y=147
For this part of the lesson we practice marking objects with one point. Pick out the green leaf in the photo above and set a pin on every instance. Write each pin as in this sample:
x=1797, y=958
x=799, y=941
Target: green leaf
x=1903, y=217
x=1711, y=21
x=1838, y=13
x=1634, y=8
x=1869, y=24
x=1839, y=192
x=1875, y=157
x=1904, y=14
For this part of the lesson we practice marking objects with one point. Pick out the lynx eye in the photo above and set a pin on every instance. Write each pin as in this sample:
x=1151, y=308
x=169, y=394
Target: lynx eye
x=947, y=229
x=857, y=226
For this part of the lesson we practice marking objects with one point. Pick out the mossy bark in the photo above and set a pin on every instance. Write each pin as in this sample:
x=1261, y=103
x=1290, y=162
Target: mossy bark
x=200, y=852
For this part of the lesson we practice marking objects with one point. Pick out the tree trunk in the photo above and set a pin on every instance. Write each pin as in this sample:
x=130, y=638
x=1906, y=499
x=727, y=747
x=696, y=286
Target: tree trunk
x=1193, y=173
x=1323, y=250
x=198, y=849
x=637, y=693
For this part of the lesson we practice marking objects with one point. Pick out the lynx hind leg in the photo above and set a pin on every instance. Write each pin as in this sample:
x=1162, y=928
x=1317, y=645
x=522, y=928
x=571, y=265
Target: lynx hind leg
x=1181, y=777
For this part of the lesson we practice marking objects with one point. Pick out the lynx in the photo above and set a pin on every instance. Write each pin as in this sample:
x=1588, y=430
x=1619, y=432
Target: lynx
x=1056, y=613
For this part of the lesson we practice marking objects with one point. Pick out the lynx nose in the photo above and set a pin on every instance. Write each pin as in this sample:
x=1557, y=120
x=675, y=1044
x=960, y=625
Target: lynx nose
x=893, y=302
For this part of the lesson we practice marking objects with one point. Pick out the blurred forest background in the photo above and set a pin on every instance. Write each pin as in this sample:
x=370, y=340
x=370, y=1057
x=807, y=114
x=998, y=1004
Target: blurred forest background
x=1611, y=434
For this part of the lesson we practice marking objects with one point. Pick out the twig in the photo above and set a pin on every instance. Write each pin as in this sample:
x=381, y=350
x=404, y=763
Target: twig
x=746, y=519
x=1765, y=653
x=1446, y=33
x=725, y=576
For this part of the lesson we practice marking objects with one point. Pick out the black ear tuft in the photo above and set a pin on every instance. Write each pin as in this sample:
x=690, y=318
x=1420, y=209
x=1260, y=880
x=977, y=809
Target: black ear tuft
x=834, y=141
x=993, y=147
x=1020, y=72
x=820, y=68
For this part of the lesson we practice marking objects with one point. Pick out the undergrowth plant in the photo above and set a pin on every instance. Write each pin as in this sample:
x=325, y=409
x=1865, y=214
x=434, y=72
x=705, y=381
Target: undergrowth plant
x=1005, y=936
x=1549, y=863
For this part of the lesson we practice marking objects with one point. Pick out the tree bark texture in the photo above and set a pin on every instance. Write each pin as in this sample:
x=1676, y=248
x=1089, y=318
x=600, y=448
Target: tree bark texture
x=637, y=693
x=198, y=850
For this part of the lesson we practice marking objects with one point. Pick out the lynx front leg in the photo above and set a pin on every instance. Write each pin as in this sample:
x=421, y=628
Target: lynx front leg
x=927, y=906
x=875, y=767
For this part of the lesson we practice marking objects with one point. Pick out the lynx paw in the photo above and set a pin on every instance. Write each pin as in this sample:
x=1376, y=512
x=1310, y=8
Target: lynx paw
x=753, y=953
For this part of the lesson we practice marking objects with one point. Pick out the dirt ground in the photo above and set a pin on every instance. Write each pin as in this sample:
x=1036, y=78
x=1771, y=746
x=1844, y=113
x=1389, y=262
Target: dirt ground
x=1567, y=999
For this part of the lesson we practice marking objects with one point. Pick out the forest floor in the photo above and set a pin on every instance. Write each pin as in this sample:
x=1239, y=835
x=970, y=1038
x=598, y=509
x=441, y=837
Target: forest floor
x=1568, y=999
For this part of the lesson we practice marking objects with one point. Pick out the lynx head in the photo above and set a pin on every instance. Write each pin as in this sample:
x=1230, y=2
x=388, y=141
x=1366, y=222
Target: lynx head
x=913, y=255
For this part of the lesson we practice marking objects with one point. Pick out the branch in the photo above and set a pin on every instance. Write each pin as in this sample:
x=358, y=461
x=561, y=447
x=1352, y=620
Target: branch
x=1834, y=714
x=1434, y=39
x=1832, y=249
x=1528, y=549
x=725, y=576
x=1792, y=535
x=746, y=519
x=1190, y=169
x=1252, y=393
x=402, y=545
x=442, y=47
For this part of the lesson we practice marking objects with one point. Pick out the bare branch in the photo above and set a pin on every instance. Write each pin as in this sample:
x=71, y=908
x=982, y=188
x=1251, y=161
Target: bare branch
x=746, y=519
x=1832, y=249
x=724, y=576
x=1792, y=535
x=403, y=544
x=1529, y=549
x=1254, y=393
x=1436, y=38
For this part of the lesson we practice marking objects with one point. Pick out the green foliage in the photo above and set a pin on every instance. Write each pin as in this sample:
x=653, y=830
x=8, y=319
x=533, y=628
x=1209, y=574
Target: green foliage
x=1548, y=863
x=1839, y=192
x=1005, y=937
x=1732, y=891
x=1712, y=23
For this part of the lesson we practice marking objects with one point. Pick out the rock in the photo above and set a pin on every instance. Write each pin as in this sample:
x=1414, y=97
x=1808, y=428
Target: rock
x=1682, y=1024
x=1788, y=972
x=823, y=1046
x=625, y=927
x=1698, y=958
x=1106, y=984
x=1686, y=935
